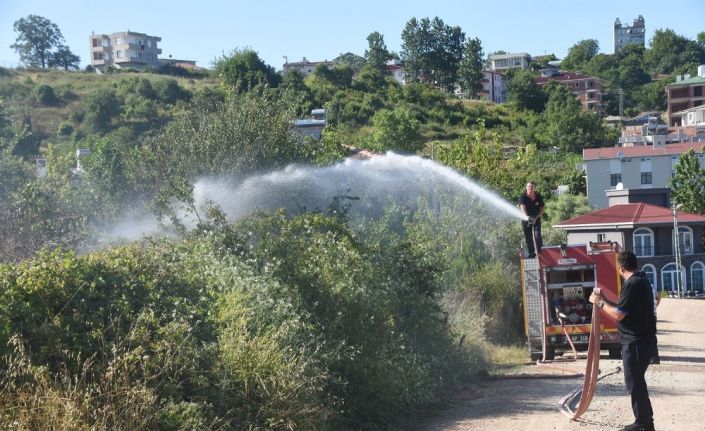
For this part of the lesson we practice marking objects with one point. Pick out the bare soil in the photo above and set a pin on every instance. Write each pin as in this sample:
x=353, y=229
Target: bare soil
x=530, y=399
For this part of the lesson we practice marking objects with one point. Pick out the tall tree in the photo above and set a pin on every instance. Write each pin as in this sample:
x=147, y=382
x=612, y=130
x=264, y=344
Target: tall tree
x=688, y=183
x=377, y=54
x=670, y=52
x=36, y=37
x=63, y=58
x=580, y=54
x=470, y=71
x=432, y=51
x=415, y=48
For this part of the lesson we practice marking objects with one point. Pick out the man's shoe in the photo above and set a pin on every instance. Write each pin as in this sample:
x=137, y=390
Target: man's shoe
x=639, y=427
x=655, y=360
x=531, y=256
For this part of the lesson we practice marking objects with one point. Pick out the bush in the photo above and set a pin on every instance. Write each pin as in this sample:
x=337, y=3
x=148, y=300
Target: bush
x=64, y=129
x=44, y=95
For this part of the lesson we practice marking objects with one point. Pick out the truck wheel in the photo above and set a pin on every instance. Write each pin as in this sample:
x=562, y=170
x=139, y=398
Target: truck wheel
x=615, y=353
x=550, y=353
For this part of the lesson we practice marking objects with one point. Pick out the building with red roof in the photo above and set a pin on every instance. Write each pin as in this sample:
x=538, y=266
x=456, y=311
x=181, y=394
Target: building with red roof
x=588, y=89
x=648, y=230
x=634, y=167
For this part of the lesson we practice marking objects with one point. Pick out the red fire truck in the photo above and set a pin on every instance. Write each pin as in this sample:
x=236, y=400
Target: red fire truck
x=556, y=286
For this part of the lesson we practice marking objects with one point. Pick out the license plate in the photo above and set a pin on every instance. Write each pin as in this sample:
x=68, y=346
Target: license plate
x=580, y=338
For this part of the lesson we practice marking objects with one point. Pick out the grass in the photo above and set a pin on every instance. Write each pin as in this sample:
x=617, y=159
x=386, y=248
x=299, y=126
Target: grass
x=505, y=359
x=71, y=88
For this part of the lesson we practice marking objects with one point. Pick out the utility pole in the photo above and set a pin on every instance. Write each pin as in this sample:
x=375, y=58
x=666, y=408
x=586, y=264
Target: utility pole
x=677, y=250
x=621, y=101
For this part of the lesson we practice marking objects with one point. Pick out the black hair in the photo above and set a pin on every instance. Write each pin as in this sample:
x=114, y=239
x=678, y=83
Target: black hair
x=627, y=260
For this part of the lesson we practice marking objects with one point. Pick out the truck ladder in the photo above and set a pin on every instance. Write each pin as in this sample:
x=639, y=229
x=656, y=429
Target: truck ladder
x=533, y=306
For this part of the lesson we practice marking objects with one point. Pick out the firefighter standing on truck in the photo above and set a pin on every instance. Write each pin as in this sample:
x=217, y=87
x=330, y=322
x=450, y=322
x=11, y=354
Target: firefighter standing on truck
x=531, y=204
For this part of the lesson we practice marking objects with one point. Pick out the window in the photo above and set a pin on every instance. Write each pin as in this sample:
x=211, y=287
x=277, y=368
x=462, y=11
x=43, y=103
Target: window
x=650, y=273
x=615, y=179
x=697, y=277
x=643, y=242
x=698, y=91
x=645, y=178
x=685, y=240
x=601, y=237
x=668, y=277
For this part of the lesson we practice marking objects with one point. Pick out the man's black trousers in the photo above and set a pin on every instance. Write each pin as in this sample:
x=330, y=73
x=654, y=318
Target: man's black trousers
x=636, y=357
x=536, y=230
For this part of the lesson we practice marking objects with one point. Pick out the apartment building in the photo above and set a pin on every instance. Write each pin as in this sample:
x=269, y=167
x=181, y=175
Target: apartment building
x=633, y=167
x=518, y=60
x=493, y=86
x=588, y=89
x=626, y=35
x=125, y=49
x=686, y=93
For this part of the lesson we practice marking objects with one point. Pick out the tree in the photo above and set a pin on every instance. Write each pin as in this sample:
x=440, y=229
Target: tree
x=670, y=51
x=101, y=107
x=432, y=51
x=580, y=54
x=567, y=127
x=63, y=58
x=566, y=206
x=396, y=130
x=688, y=183
x=35, y=40
x=470, y=71
x=523, y=92
x=377, y=54
x=243, y=70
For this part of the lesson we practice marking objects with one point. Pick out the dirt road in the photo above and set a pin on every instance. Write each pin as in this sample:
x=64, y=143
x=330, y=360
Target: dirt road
x=676, y=386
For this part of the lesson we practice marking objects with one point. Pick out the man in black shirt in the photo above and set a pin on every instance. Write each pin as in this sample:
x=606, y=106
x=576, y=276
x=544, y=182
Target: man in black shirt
x=531, y=204
x=636, y=324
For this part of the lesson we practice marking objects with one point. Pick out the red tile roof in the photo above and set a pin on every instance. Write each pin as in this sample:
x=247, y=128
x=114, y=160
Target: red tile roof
x=564, y=76
x=642, y=150
x=629, y=215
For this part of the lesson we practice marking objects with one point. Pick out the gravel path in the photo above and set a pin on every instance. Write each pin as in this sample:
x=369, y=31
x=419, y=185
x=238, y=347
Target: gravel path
x=676, y=386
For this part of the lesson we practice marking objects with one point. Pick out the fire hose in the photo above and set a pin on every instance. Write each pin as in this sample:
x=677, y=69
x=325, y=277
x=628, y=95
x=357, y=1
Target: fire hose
x=592, y=370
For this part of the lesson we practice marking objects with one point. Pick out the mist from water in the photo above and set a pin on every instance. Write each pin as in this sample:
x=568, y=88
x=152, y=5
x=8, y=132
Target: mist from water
x=375, y=182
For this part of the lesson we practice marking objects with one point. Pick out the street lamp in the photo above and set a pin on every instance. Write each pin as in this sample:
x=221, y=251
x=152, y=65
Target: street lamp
x=677, y=249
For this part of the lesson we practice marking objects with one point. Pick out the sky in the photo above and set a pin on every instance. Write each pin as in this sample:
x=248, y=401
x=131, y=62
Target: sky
x=288, y=29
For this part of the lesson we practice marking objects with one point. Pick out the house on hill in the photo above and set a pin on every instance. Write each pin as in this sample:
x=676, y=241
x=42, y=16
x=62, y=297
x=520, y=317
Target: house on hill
x=649, y=231
x=686, y=93
x=125, y=49
x=634, y=166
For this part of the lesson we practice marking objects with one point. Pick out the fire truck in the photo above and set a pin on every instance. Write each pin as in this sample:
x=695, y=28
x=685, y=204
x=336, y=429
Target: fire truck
x=556, y=286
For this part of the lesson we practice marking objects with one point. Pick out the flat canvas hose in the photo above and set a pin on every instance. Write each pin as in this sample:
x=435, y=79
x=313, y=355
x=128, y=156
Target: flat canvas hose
x=592, y=368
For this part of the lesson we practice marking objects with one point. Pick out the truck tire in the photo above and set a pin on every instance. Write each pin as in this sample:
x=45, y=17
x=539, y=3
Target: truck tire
x=615, y=353
x=550, y=353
